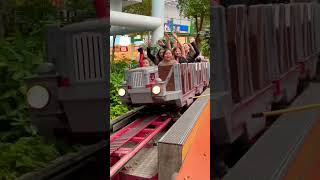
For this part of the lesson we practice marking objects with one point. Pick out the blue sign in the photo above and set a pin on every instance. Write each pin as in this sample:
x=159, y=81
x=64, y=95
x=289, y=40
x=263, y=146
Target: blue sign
x=170, y=26
x=184, y=28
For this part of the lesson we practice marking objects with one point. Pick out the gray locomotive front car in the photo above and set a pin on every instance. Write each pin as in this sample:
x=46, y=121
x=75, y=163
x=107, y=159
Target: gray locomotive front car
x=175, y=84
x=69, y=93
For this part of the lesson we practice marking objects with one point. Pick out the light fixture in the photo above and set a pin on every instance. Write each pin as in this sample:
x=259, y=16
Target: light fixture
x=38, y=97
x=156, y=90
x=121, y=92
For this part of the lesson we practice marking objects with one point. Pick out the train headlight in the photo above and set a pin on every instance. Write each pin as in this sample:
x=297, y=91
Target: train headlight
x=121, y=92
x=38, y=97
x=156, y=90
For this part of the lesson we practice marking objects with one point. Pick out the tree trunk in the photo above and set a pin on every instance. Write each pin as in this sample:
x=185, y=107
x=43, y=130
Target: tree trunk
x=199, y=28
x=113, y=50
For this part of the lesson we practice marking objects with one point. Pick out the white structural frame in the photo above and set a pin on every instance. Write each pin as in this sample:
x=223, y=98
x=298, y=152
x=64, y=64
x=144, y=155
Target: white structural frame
x=124, y=23
x=158, y=12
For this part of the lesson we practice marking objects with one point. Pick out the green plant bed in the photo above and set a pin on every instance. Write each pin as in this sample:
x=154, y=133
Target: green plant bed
x=28, y=154
x=25, y=155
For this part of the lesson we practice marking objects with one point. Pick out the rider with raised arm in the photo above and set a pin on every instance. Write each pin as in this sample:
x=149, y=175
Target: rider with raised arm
x=178, y=51
x=156, y=59
x=191, y=50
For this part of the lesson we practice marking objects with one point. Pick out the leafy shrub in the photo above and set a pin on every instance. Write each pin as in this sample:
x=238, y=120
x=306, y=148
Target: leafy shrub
x=21, y=50
x=116, y=79
x=27, y=154
x=205, y=47
x=19, y=57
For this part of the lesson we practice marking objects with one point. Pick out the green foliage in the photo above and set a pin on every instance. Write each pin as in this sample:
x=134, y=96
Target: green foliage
x=80, y=5
x=12, y=135
x=194, y=8
x=64, y=148
x=205, y=44
x=206, y=24
x=143, y=8
x=116, y=107
x=27, y=16
x=20, y=150
x=205, y=48
x=27, y=154
x=22, y=49
x=116, y=79
x=80, y=10
x=19, y=57
x=199, y=10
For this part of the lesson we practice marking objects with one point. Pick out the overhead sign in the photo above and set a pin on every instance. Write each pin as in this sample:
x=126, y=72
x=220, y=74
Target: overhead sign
x=179, y=28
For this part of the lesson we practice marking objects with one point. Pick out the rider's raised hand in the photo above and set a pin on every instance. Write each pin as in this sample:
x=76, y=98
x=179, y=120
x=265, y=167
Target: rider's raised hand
x=166, y=36
x=160, y=43
x=192, y=39
x=174, y=35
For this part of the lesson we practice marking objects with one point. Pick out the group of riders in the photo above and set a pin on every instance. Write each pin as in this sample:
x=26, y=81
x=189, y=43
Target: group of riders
x=168, y=55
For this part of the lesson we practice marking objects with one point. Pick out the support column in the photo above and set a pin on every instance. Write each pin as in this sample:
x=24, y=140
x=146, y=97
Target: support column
x=116, y=5
x=158, y=11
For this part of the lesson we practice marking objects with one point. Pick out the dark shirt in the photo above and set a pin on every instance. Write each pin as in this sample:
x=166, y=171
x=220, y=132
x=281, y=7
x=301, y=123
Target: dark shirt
x=182, y=60
x=153, y=58
x=191, y=58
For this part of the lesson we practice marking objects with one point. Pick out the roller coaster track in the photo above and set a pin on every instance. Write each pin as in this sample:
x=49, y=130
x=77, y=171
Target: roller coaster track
x=139, y=132
x=135, y=129
x=125, y=119
x=89, y=162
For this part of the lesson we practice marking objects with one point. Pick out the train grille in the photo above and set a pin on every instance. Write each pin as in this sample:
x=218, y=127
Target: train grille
x=88, y=57
x=137, y=79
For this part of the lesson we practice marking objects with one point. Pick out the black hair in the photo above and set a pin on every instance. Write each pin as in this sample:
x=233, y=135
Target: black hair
x=158, y=54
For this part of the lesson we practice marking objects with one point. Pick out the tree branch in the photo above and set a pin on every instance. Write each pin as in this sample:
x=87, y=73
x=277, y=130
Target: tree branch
x=200, y=28
x=197, y=26
x=201, y=22
x=113, y=48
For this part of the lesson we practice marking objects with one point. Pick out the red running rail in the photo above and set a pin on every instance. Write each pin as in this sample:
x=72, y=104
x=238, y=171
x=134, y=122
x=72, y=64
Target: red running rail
x=140, y=132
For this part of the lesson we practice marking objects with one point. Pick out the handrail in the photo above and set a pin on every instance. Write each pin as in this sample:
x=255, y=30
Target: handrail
x=274, y=152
